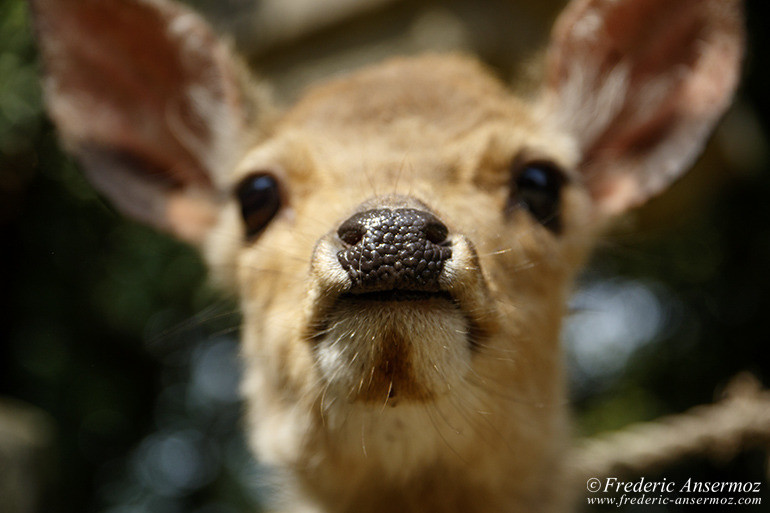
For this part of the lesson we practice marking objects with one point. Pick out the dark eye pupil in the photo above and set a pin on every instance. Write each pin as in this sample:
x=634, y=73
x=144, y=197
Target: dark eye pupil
x=537, y=187
x=260, y=200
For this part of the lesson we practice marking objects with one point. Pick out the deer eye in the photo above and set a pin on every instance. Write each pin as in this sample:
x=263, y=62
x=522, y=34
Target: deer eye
x=260, y=199
x=537, y=187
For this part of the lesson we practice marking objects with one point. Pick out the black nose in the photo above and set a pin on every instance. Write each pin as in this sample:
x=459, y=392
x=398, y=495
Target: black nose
x=394, y=249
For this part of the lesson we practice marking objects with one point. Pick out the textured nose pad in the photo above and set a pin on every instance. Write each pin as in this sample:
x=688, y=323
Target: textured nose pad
x=394, y=249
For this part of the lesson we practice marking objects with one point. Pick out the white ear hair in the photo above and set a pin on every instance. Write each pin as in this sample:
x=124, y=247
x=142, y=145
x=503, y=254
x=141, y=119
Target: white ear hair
x=150, y=100
x=639, y=85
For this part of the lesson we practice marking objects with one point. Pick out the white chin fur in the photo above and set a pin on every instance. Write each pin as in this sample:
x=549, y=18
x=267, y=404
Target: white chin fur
x=357, y=352
x=381, y=399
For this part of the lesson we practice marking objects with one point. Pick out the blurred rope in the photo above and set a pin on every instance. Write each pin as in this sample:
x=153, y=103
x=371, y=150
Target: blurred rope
x=740, y=421
x=27, y=445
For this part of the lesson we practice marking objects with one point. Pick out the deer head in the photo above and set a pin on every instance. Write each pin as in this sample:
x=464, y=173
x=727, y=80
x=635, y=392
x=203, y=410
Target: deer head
x=402, y=240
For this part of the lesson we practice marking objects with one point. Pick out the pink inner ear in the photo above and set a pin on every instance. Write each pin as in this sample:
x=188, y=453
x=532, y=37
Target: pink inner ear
x=651, y=33
x=640, y=84
x=120, y=78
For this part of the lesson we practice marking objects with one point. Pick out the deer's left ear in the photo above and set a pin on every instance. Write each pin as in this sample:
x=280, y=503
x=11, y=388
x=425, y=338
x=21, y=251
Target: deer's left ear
x=639, y=85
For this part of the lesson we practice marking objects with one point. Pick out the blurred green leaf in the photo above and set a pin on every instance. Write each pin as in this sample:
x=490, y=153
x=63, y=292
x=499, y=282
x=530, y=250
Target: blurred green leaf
x=20, y=105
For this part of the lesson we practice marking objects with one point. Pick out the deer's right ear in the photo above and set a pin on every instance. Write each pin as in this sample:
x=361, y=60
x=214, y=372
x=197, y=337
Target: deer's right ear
x=152, y=104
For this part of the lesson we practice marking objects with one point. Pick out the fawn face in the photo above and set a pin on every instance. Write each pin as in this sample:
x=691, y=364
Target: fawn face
x=402, y=240
x=398, y=278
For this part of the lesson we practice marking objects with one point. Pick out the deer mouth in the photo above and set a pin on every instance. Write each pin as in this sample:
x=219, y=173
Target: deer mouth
x=395, y=346
x=397, y=295
x=392, y=346
x=393, y=309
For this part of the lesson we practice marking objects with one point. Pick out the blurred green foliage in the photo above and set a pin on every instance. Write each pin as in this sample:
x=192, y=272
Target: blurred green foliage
x=19, y=82
x=81, y=286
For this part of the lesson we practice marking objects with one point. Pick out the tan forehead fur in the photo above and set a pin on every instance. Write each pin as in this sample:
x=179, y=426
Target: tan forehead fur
x=445, y=98
x=452, y=93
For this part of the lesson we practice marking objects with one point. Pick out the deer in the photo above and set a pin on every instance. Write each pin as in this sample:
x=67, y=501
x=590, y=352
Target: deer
x=403, y=240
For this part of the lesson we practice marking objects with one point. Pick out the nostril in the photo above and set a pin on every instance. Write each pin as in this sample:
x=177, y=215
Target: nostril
x=351, y=231
x=436, y=232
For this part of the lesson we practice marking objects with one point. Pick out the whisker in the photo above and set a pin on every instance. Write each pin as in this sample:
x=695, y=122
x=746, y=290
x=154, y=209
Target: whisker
x=429, y=411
